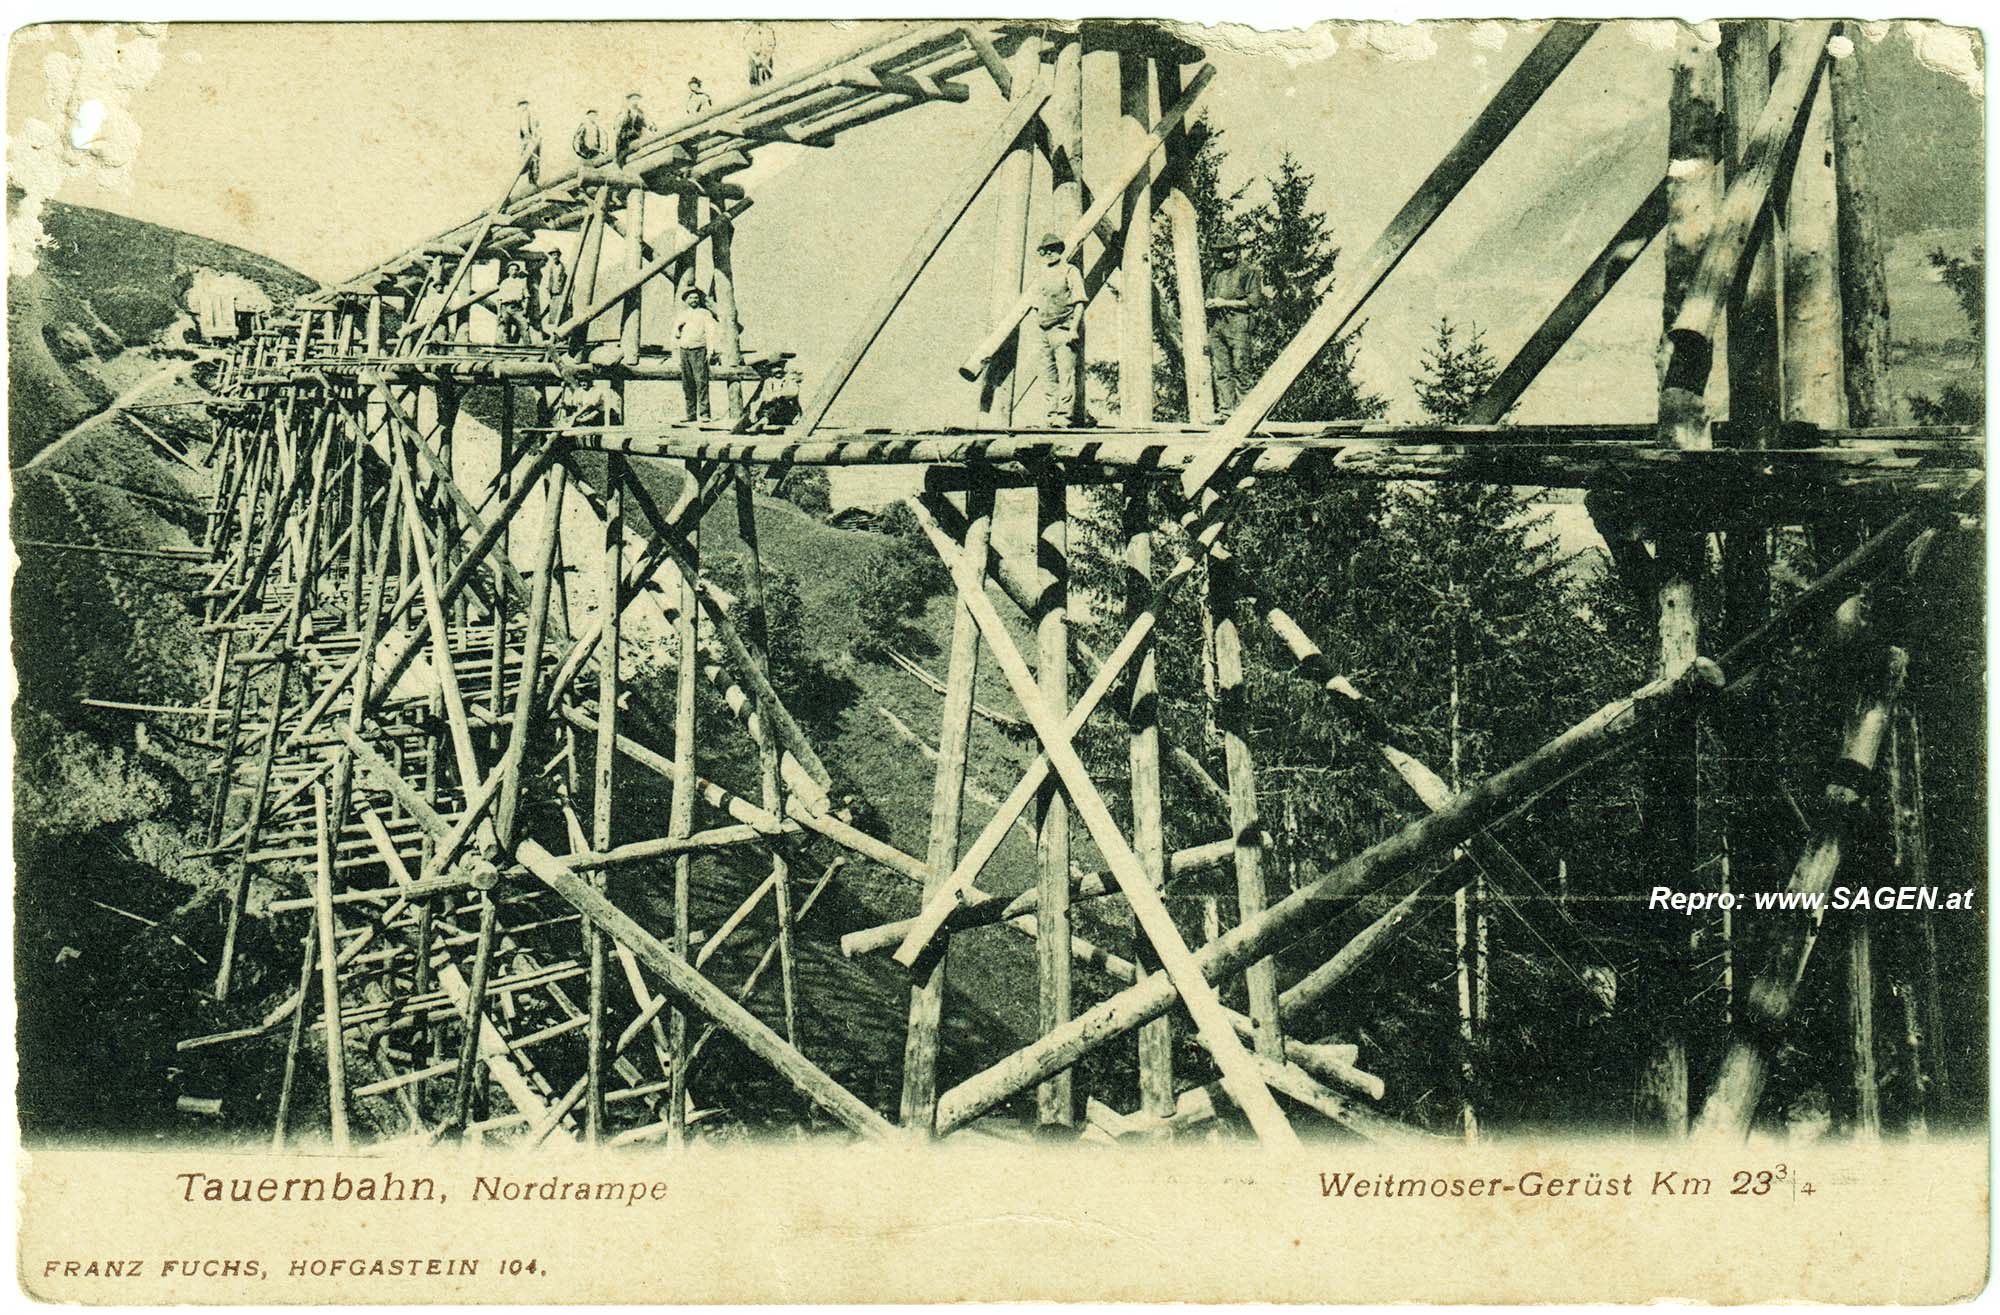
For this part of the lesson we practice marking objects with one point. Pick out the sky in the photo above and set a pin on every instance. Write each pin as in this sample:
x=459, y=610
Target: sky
x=330, y=147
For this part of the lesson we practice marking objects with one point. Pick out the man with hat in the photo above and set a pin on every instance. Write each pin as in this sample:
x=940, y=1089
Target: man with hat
x=1234, y=290
x=1058, y=316
x=699, y=101
x=529, y=130
x=588, y=141
x=695, y=338
x=632, y=125
x=554, y=285
x=510, y=304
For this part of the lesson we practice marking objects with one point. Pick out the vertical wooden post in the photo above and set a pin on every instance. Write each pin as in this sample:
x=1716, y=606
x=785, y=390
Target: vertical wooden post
x=757, y=635
x=603, y=780
x=1813, y=377
x=1149, y=844
x=1137, y=110
x=1189, y=292
x=1694, y=195
x=527, y=698
x=1065, y=123
x=329, y=975
x=1012, y=198
x=1246, y=825
x=1753, y=344
x=1055, y=1101
x=681, y=806
x=630, y=322
x=475, y=1017
x=1467, y=905
x=1815, y=393
x=1864, y=293
x=1932, y=1073
x=729, y=329
x=356, y=518
x=240, y=886
x=1750, y=335
x=308, y=956
x=920, y=1049
x=503, y=552
x=1861, y=1028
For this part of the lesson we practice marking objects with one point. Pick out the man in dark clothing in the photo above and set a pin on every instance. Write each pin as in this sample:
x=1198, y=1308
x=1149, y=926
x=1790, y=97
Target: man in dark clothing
x=632, y=125
x=1233, y=292
x=555, y=285
x=589, y=143
x=530, y=132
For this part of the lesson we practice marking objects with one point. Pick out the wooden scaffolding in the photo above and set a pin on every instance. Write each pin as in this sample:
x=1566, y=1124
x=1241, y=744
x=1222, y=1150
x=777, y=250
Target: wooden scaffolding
x=409, y=719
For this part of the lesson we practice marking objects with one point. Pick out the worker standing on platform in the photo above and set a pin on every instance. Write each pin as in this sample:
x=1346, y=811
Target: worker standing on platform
x=632, y=125
x=529, y=130
x=555, y=286
x=699, y=101
x=588, y=142
x=1233, y=292
x=1058, y=313
x=763, y=45
x=696, y=336
x=510, y=304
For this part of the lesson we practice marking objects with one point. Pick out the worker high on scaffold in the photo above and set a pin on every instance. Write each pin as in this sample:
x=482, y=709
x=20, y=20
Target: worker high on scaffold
x=632, y=125
x=1058, y=316
x=1234, y=290
x=588, y=141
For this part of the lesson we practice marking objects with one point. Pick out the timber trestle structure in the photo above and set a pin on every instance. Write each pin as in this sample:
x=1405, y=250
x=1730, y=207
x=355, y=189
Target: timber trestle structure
x=419, y=738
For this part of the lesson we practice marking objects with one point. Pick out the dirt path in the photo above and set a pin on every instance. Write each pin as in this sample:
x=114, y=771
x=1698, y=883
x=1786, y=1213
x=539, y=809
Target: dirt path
x=165, y=374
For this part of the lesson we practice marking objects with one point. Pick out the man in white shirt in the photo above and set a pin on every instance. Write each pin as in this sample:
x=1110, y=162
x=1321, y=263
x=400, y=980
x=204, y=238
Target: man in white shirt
x=510, y=304
x=695, y=338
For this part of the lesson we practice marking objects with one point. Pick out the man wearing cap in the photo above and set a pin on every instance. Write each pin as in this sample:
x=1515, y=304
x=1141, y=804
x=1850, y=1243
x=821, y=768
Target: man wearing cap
x=529, y=130
x=588, y=141
x=699, y=101
x=1234, y=290
x=1058, y=316
x=632, y=125
x=695, y=338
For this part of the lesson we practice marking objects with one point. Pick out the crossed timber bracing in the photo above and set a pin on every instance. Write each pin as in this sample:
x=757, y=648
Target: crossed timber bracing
x=421, y=737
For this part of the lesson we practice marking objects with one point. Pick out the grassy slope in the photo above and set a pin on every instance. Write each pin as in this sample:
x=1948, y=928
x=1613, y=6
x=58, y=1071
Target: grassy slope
x=104, y=803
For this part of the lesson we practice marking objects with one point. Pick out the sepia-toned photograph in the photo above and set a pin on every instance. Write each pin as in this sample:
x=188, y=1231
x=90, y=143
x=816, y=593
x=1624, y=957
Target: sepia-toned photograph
x=1382, y=623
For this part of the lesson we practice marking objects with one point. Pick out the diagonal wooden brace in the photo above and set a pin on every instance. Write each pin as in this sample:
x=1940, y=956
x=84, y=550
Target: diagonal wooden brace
x=1212, y=1024
x=951, y=894
x=1355, y=283
x=1111, y=194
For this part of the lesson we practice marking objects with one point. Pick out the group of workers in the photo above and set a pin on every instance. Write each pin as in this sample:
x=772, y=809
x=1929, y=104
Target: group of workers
x=593, y=147
x=1232, y=292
